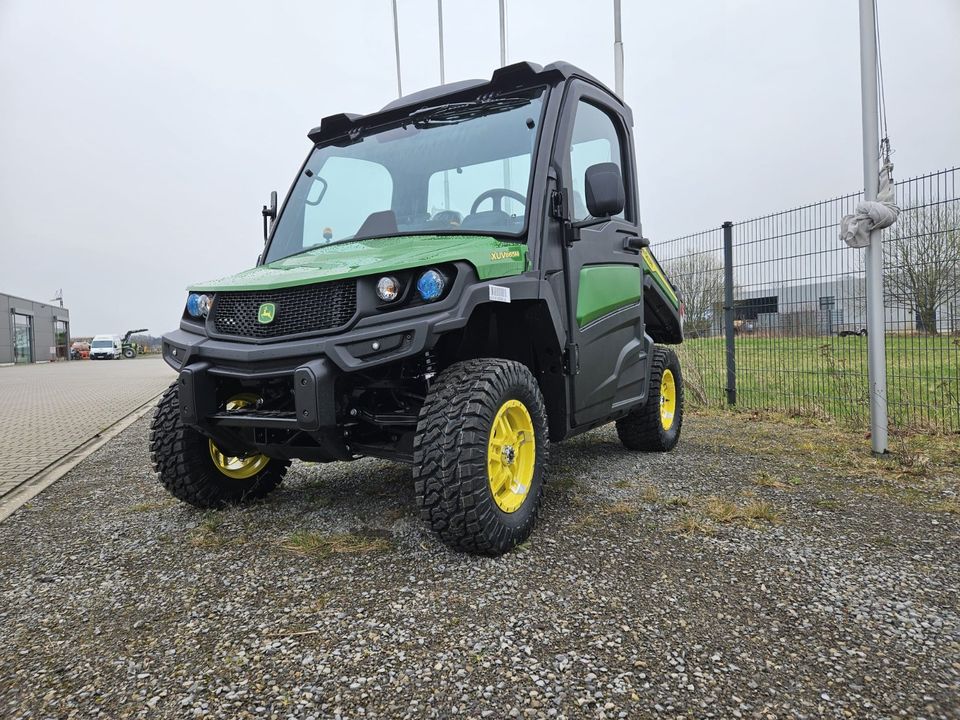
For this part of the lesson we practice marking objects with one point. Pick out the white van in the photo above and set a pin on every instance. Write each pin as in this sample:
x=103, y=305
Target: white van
x=106, y=347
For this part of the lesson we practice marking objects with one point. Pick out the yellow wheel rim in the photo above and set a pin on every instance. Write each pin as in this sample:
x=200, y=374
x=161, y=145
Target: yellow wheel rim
x=511, y=455
x=235, y=467
x=668, y=399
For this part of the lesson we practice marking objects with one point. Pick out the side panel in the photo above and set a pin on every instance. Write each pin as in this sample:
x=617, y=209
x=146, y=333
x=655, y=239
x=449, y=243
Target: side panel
x=605, y=288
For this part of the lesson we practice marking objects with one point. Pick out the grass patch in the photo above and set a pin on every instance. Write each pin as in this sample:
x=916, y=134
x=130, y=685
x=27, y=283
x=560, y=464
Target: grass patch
x=814, y=378
x=564, y=482
x=620, y=509
x=766, y=480
x=649, y=494
x=323, y=545
x=828, y=503
x=207, y=534
x=690, y=524
x=809, y=452
x=951, y=506
x=726, y=511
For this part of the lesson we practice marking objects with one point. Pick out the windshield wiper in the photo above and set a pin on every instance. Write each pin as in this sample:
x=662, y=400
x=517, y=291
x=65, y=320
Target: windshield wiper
x=450, y=113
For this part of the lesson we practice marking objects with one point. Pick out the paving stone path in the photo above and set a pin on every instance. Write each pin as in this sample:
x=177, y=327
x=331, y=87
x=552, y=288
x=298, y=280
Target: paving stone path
x=48, y=410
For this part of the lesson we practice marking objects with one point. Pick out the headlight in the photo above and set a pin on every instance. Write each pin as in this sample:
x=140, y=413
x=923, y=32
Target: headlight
x=431, y=285
x=199, y=305
x=388, y=289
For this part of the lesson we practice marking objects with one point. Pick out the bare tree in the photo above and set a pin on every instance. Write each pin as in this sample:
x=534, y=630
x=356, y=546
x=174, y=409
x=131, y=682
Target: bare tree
x=922, y=261
x=698, y=276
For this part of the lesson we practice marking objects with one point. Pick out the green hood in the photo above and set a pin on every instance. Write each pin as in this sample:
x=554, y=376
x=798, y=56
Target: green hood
x=491, y=258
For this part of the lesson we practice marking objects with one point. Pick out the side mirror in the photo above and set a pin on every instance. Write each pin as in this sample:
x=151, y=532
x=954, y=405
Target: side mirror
x=269, y=212
x=604, y=188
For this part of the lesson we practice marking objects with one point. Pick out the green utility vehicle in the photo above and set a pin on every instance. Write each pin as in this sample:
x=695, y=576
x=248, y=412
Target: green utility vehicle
x=454, y=282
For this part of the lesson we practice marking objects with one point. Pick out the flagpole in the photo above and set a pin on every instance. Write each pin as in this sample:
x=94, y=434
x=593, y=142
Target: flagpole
x=876, y=339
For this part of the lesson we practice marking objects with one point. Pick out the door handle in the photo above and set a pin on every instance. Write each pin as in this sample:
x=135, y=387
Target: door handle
x=635, y=243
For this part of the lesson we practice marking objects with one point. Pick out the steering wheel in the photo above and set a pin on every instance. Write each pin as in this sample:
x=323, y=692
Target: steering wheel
x=497, y=195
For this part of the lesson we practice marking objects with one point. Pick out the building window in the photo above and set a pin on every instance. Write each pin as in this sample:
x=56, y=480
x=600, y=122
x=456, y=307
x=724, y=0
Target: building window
x=22, y=338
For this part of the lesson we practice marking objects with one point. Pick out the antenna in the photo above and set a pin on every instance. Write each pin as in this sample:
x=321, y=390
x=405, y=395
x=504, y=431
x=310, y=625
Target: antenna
x=617, y=51
x=58, y=297
x=440, y=26
x=503, y=33
x=396, y=45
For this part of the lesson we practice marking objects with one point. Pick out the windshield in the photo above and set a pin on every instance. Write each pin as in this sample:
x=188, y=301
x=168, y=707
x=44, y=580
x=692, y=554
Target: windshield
x=103, y=343
x=460, y=167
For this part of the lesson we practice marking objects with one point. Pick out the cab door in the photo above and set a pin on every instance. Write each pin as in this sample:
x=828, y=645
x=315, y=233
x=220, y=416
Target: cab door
x=604, y=265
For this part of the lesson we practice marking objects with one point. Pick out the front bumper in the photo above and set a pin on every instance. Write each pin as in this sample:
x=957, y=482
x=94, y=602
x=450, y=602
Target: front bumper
x=312, y=365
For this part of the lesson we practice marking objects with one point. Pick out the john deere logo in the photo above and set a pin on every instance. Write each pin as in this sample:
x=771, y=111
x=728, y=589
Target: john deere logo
x=266, y=313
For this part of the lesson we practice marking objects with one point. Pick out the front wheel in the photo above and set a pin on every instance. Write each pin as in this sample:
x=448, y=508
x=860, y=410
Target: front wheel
x=129, y=353
x=656, y=425
x=192, y=468
x=480, y=455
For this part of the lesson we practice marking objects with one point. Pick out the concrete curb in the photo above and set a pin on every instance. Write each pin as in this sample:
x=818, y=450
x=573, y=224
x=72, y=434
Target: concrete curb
x=37, y=483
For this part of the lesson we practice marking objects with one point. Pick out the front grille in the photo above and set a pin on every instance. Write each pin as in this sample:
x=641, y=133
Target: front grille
x=304, y=309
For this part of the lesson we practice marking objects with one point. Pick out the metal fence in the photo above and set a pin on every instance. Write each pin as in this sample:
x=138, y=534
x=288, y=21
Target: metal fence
x=799, y=310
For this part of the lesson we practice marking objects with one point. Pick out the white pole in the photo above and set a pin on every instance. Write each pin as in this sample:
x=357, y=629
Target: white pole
x=440, y=26
x=876, y=340
x=503, y=32
x=617, y=51
x=446, y=175
x=396, y=45
x=507, y=202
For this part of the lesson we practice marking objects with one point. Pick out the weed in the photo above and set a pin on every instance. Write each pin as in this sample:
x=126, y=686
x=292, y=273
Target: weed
x=690, y=524
x=650, y=494
x=726, y=511
x=951, y=506
x=761, y=510
x=620, y=509
x=828, y=503
x=565, y=482
x=322, y=545
x=207, y=533
x=765, y=479
x=721, y=510
x=211, y=522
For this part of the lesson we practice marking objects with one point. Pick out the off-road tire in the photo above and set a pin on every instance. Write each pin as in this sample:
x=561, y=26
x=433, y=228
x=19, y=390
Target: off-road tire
x=643, y=429
x=181, y=457
x=129, y=353
x=450, y=455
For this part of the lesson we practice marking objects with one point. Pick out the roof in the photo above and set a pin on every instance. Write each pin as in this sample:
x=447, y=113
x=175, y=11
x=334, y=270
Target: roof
x=504, y=78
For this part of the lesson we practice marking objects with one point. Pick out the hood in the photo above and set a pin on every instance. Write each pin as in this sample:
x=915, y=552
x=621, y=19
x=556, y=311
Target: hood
x=490, y=257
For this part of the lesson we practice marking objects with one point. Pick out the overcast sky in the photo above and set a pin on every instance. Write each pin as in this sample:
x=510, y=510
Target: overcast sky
x=139, y=140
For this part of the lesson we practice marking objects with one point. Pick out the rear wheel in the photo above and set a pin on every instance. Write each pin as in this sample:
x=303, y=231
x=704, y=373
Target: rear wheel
x=192, y=468
x=480, y=455
x=129, y=353
x=656, y=426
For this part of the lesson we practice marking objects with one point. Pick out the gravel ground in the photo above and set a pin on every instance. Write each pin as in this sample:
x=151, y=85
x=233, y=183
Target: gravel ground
x=708, y=582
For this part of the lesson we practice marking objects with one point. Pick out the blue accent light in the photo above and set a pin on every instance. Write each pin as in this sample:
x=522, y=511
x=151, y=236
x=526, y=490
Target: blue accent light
x=193, y=305
x=431, y=285
x=199, y=305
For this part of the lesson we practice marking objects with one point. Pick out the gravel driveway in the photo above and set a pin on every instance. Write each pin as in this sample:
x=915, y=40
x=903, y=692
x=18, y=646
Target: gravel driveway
x=731, y=578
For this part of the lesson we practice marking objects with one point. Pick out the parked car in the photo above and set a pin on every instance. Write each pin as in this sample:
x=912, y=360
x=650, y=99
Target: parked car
x=106, y=347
